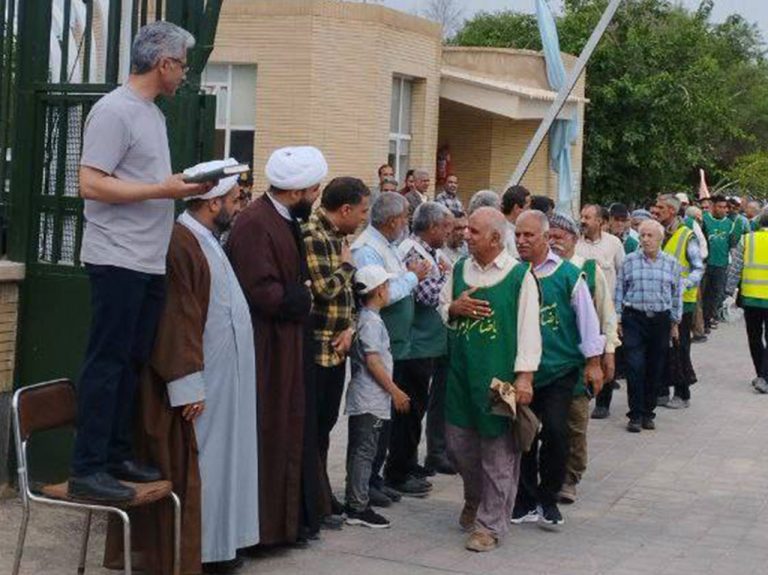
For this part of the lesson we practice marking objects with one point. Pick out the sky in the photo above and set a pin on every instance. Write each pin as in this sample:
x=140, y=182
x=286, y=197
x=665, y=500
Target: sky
x=752, y=10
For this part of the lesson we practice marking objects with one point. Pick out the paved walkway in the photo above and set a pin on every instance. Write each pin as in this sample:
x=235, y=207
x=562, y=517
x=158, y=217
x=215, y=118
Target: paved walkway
x=688, y=498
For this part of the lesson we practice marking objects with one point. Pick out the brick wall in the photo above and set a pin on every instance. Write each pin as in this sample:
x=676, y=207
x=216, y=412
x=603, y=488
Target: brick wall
x=10, y=276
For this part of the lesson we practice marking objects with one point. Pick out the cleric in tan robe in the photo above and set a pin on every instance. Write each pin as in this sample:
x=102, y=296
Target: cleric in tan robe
x=267, y=253
x=198, y=398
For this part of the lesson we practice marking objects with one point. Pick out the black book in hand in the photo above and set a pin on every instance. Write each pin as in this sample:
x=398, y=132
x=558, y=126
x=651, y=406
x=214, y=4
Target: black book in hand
x=192, y=176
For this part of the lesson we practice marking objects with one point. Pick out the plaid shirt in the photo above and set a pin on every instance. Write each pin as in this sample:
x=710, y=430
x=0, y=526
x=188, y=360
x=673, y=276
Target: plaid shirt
x=650, y=285
x=332, y=280
x=452, y=202
x=427, y=291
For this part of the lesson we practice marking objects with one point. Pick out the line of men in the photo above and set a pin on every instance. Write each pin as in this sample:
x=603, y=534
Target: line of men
x=236, y=355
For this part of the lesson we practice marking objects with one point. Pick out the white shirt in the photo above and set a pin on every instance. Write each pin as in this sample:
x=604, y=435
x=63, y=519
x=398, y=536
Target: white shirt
x=509, y=241
x=607, y=251
x=528, y=333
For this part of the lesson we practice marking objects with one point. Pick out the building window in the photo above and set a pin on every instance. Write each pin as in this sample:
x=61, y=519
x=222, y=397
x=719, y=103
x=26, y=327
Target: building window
x=400, y=126
x=234, y=86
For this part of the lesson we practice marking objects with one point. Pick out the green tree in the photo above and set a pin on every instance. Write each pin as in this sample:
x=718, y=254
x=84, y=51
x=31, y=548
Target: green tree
x=750, y=172
x=669, y=90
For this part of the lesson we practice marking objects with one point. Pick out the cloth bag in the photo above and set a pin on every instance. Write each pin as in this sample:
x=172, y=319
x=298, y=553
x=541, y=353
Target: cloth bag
x=525, y=424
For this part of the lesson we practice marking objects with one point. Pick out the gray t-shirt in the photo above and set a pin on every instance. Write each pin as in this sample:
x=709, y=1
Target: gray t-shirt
x=364, y=395
x=125, y=137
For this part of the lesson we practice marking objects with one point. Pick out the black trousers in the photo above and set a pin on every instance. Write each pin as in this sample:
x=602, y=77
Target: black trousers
x=646, y=341
x=605, y=396
x=405, y=434
x=679, y=372
x=330, y=388
x=125, y=310
x=436, y=446
x=542, y=469
x=715, y=279
x=756, y=319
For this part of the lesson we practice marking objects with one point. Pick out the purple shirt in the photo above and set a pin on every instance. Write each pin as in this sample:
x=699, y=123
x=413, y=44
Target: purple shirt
x=592, y=341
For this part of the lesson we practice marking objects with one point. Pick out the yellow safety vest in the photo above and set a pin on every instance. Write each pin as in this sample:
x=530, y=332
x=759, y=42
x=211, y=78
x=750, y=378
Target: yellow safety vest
x=754, y=275
x=677, y=247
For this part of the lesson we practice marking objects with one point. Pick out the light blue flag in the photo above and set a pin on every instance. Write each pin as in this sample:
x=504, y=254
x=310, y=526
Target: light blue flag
x=563, y=133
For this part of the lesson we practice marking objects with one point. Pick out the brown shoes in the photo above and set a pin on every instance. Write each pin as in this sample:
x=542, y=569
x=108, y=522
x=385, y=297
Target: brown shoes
x=467, y=517
x=481, y=541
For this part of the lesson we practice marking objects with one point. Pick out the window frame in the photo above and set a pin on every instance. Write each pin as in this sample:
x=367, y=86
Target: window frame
x=213, y=88
x=400, y=135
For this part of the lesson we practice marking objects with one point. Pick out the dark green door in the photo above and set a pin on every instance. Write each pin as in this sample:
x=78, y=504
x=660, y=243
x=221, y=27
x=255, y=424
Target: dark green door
x=46, y=224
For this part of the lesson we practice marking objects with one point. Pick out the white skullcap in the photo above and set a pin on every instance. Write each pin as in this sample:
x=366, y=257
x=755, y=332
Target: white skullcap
x=296, y=168
x=224, y=185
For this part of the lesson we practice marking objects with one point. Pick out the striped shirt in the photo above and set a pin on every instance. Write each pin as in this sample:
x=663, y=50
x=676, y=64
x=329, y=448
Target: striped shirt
x=450, y=201
x=656, y=285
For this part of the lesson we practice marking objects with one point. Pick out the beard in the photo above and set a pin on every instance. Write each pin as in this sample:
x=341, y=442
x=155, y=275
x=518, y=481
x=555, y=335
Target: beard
x=223, y=221
x=302, y=210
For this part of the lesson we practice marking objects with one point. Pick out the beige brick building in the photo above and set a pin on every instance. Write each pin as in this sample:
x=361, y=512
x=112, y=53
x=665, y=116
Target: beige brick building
x=367, y=84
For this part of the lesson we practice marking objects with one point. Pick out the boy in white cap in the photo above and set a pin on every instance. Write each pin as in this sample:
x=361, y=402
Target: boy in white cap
x=267, y=254
x=370, y=395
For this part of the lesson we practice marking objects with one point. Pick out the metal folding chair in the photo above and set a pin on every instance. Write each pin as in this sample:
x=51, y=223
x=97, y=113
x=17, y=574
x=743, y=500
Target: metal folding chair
x=52, y=405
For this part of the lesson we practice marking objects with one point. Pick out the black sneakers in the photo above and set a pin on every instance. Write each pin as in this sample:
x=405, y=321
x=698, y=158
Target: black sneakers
x=634, y=426
x=551, y=515
x=600, y=412
x=367, y=518
x=378, y=498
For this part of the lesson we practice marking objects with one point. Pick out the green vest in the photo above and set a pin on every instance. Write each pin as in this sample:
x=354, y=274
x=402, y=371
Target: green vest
x=398, y=318
x=429, y=336
x=718, y=238
x=590, y=272
x=560, y=337
x=630, y=244
x=481, y=349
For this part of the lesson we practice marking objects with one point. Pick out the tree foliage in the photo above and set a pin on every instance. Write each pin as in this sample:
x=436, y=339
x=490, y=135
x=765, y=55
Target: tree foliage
x=669, y=90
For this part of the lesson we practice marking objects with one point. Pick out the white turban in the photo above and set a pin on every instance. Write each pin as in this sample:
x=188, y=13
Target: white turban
x=224, y=185
x=296, y=168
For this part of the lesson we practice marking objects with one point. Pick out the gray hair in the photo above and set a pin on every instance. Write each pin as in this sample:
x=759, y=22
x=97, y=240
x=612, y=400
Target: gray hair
x=494, y=218
x=656, y=226
x=156, y=41
x=421, y=173
x=693, y=212
x=389, y=180
x=387, y=206
x=539, y=215
x=670, y=200
x=484, y=199
x=755, y=203
x=427, y=215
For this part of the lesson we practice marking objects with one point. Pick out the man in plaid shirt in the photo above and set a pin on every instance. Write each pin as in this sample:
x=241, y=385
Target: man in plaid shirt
x=432, y=222
x=343, y=209
x=449, y=196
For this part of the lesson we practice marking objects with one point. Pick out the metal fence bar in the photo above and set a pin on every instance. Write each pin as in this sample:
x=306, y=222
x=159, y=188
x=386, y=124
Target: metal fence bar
x=88, y=40
x=65, y=32
x=144, y=12
x=113, y=39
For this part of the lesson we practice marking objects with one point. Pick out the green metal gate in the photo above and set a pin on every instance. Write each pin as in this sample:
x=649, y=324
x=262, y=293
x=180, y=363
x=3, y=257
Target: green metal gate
x=46, y=218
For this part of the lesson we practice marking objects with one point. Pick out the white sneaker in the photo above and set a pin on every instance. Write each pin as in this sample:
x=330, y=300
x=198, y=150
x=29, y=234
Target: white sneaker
x=761, y=386
x=531, y=517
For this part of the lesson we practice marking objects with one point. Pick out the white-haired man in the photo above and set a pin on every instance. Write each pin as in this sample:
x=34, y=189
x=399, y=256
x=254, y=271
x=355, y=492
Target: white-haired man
x=491, y=305
x=649, y=301
x=126, y=182
x=198, y=399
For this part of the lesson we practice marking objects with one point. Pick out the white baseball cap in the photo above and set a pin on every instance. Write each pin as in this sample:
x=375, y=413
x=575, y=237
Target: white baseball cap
x=368, y=278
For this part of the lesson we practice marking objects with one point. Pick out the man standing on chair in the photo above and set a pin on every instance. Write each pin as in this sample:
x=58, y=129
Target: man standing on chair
x=126, y=181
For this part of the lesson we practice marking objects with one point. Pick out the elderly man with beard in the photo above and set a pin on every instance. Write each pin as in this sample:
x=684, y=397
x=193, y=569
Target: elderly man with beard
x=268, y=256
x=572, y=349
x=491, y=306
x=649, y=301
x=563, y=235
x=198, y=400
x=377, y=245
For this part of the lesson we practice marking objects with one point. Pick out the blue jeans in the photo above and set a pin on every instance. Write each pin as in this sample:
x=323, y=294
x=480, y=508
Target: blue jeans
x=645, y=344
x=125, y=310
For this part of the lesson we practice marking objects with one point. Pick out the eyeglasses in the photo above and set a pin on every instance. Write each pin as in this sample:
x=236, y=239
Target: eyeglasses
x=184, y=66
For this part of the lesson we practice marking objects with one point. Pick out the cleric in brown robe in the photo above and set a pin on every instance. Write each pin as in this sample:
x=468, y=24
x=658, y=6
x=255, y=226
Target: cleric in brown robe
x=267, y=254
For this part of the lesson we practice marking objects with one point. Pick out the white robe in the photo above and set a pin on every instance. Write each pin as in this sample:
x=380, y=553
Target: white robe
x=226, y=431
